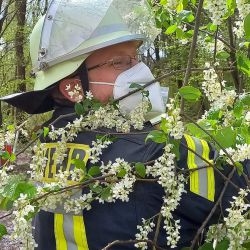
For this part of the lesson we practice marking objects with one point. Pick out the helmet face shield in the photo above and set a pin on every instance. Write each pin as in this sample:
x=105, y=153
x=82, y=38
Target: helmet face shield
x=72, y=29
x=66, y=26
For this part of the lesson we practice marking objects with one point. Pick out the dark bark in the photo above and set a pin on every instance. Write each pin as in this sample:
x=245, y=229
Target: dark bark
x=235, y=73
x=20, y=6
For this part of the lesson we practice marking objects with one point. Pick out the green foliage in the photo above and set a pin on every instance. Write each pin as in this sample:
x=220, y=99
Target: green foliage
x=140, y=169
x=247, y=25
x=190, y=93
x=156, y=136
x=3, y=231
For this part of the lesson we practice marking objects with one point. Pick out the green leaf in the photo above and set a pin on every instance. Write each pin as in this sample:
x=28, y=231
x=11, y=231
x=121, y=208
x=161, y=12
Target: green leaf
x=95, y=188
x=25, y=188
x=156, y=136
x=226, y=137
x=223, y=245
x=244, y=133
x=195, y=131
x=240, y=168
x=171, y=29
x=121, y=173
x=223, y=55
x=3, y=231
x=80, y=164
x=10, y=188
x=180, y=33
x=247, y=25
x=186, y=16
x=79, y=108
x=106, y=193
x=246, y=244
x=45, y=131
x=176, y=147
x=135, y=86
x=95, y=170
x=243, y=64
x=140, y=169
x=246, y=100
x=206, y=246
x=5, y=155
x=12, y=157
x=212, y=27
x=6, y=203
x=238, y=109
x=190, y=93
x=193, y=2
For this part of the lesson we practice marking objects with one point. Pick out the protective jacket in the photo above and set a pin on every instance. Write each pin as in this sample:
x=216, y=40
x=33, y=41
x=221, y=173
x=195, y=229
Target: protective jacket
x=105, y=223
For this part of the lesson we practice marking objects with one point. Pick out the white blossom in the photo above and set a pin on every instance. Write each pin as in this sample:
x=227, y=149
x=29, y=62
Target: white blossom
x=217, y=10
x=96, y=150
x=144, y=229
x=237, y=225
x=238, y=154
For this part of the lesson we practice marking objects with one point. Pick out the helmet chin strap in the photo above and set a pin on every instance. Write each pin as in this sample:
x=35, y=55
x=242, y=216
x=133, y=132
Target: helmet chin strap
x=83, y=74
x=104, y=83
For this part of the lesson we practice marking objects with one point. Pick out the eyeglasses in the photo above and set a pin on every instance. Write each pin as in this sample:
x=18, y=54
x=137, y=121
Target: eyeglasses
x=118, y=62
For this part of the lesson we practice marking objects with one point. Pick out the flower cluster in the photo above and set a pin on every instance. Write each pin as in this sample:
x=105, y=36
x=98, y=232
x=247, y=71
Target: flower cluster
x=173, y=184
x=76, y=205
x=247, y=118
x=211, y=85
x=38, y=163
x=239, y=154
x=96, y=150
x=121, y=188
x=237, y=225
x=137, y=115
x=173, y=123
x=140, y=19
x=217, y=10
x=144, y=229
x=22, y=230
x=244, y=9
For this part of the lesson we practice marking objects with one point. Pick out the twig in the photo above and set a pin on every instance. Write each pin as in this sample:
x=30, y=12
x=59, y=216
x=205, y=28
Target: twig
x=235, y=73
x=194, y=42
x=212, y=211
x=125, y=242
x=157, y=229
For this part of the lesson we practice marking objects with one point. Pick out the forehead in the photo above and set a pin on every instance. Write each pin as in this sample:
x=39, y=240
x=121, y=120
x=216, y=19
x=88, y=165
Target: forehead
x=126, y=48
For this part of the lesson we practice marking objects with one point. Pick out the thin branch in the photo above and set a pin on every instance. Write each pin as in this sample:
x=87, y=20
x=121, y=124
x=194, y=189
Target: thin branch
x=205, y=222
x=194, y=42
x=235, y=73
x=157, y=230
x=125, y=242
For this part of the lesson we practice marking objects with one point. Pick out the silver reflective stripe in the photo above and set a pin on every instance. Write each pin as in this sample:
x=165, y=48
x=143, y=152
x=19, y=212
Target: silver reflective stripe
x=68, y=228
x=47, y=25
x=203, y=184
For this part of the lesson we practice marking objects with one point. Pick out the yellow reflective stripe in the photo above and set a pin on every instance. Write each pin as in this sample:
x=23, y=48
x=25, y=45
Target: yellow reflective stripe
x=194, y=176
x=61, y=243
x=80, y=233
x=210, y=172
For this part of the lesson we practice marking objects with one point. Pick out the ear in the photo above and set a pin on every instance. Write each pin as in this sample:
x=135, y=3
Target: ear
x=71, y=89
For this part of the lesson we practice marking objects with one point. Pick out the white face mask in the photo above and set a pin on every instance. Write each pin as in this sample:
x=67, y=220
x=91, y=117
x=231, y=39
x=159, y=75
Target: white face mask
x=139, y=74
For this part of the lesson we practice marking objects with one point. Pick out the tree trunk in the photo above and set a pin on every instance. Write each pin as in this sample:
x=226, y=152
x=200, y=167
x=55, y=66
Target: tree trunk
x=20, y=6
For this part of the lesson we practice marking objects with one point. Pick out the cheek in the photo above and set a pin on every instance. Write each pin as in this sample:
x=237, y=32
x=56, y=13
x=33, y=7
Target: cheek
x=101, y=92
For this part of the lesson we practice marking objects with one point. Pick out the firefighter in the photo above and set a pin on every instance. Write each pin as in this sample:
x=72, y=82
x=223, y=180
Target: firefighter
x=90, y=46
